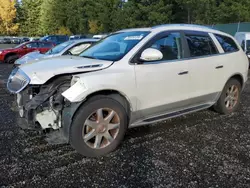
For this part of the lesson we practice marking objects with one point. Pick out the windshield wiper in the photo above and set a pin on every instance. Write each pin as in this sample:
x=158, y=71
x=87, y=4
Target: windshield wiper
x=90, y=57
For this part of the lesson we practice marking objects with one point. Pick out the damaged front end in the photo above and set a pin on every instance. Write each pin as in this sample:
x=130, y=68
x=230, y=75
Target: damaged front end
x=40, y=104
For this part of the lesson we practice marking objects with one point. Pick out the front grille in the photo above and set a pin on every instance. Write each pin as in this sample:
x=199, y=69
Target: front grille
x=17, y=81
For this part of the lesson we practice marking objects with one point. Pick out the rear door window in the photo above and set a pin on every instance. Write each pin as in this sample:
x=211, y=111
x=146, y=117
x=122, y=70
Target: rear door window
x=227, y=43
x=200, y=44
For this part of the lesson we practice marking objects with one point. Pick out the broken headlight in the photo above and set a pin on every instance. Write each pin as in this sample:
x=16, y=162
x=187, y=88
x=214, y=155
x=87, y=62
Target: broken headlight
x=17, y=81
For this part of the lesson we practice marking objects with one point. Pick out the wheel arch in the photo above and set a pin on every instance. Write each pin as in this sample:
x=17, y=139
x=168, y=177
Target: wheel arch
x=239, y=77
x=9, y=54
x=70, y=112
x=117, y=95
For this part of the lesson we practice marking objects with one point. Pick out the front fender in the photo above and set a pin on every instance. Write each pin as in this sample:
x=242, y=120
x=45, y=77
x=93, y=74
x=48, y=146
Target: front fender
x=80, y=90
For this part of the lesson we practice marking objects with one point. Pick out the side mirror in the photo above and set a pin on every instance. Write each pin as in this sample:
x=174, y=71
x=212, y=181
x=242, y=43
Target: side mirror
x=151, y=54
x=24, y=47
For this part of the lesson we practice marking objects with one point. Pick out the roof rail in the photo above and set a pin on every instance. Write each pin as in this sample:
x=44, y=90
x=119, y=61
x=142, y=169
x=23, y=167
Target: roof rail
x=186, y=25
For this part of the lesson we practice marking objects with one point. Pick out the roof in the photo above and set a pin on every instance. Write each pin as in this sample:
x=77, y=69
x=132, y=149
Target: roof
x=177, y=27
x=85, y=40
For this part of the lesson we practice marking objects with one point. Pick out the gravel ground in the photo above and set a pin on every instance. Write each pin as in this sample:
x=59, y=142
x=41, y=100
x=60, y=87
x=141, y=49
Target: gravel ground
x=3, y=46
x=203, y=149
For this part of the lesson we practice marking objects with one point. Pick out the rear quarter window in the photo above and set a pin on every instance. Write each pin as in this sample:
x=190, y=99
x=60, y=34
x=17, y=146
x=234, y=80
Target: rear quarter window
x=227, y=43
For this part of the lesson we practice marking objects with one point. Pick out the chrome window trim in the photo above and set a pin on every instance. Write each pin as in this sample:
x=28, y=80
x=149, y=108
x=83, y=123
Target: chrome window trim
x=183, y=59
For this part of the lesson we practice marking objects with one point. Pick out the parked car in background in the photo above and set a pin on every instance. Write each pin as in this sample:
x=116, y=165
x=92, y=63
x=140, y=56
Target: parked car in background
x=243, y=39
x=100, y=36
x=34, y=39
x=10, y=55
x=77, y=37
x=6, y=40
x=56, y=39
x=133, y=77
x=24, y=39
x=73, y=47
x=15, y=40
x=1, y=40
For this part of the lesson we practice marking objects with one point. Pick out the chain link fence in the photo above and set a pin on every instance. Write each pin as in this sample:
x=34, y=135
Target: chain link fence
x=232, y=28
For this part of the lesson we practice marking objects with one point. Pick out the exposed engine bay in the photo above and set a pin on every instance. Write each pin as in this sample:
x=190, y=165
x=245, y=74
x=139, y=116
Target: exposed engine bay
x=43, y=104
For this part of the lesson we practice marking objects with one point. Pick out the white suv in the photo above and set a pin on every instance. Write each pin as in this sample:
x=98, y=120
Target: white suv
x=131, y=78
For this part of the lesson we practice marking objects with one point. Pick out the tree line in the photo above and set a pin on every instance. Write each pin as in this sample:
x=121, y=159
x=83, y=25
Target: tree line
x=41, y=17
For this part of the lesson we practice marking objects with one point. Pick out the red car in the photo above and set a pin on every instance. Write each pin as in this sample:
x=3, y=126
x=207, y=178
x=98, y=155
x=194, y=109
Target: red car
x=10, y=55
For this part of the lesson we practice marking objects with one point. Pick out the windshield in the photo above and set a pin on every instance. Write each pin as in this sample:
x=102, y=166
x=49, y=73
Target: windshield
x=57, y=49
x=18, y=46
x=115, y=47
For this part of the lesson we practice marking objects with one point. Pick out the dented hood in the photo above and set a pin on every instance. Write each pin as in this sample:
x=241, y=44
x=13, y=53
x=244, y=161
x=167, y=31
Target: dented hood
x=41, y=71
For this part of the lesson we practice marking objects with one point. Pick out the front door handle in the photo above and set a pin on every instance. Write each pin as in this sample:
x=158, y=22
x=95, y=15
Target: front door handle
x=219, y=67
x=183, y=73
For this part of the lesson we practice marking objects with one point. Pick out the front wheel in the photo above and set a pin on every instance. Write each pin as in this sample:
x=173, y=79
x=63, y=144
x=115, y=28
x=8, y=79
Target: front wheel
x=229, y=100
x=98, y=127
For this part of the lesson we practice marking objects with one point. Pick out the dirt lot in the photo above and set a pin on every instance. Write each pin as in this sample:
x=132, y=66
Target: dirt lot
x=203, y=149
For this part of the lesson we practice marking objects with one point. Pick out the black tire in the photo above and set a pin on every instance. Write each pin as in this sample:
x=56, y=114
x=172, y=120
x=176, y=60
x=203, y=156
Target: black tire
x=11, y=59
x=220, y=106
x=75, y=136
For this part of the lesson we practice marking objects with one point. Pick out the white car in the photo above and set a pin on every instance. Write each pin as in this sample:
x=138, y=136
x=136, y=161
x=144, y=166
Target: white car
x=131, y=78
x=72, y=47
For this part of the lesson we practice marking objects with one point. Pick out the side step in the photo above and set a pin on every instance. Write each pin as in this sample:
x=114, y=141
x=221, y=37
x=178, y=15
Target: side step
x=163, y=117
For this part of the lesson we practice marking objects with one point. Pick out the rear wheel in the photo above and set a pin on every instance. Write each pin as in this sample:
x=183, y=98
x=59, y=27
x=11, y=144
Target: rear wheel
x=229, y=100
x=11, y=59
x=98, y=127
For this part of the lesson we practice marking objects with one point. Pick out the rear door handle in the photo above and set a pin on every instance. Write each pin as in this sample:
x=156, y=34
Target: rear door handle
x=183, y=73
x=219, y=67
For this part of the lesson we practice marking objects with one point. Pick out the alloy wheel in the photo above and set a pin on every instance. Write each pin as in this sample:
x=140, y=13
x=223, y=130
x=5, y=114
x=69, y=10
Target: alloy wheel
x=232, y=97
x=101, y=128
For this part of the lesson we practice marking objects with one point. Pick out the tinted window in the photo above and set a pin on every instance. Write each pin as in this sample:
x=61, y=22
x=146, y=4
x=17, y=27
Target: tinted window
x=45, y=45
x=200, y=45
x=170, y=46
x=62, y=38
x=227, y=43
x=32, y=45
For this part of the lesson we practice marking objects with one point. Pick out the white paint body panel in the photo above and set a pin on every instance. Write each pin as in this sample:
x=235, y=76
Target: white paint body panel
x=161, y=84
x=41, y=71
